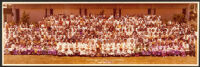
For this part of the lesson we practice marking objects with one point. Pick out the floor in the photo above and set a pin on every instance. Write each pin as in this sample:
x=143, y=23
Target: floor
x=48, y=59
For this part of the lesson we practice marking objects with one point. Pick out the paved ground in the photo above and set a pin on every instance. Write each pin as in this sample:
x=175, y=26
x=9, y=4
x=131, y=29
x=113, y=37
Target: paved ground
x=48, y=59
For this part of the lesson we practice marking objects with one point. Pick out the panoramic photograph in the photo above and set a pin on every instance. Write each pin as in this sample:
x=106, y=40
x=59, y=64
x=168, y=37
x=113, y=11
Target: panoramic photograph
x=100, y=33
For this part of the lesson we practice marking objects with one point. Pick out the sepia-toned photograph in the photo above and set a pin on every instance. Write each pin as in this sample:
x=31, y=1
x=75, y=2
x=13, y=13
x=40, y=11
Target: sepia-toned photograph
x=100, y=33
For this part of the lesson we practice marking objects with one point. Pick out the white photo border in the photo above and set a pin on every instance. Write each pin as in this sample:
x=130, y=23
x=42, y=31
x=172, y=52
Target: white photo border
x=181, y=2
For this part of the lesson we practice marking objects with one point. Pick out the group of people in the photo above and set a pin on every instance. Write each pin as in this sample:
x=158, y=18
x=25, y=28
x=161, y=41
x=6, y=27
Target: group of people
x=98, y=35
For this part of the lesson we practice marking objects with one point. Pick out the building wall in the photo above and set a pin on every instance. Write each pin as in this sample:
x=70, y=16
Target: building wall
x=34, y=14
x=108, y=12
x=66, y=11
x=168, y=13
x=137, y=11
x=37, y=12
x=94, y=11
x=9, y=18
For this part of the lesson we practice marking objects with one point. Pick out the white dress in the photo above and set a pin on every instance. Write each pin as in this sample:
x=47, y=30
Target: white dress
x=63, y=47
x=129, y=51
x=69, y=52
x=58, y=45
x=118, y=52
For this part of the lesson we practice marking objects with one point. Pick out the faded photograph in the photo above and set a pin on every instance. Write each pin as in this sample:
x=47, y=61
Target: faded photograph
x=100, y=33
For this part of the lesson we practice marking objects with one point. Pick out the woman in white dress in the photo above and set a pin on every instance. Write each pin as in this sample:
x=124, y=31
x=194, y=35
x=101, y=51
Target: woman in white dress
x=59, y=48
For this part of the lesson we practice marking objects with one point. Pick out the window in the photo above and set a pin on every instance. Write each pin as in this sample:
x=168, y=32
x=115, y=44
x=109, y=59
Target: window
x=17, y=15
x=80, y=12
x=114, y=12
x=184, y=11
x=51, y=11
x=46, y=12
x=5, y=17
x=120, y=12
x=149, y=11
x=86, y=12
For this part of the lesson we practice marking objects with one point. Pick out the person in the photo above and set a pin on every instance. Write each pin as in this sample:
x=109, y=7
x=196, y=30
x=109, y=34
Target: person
x=59, y=48
x=146, y=31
